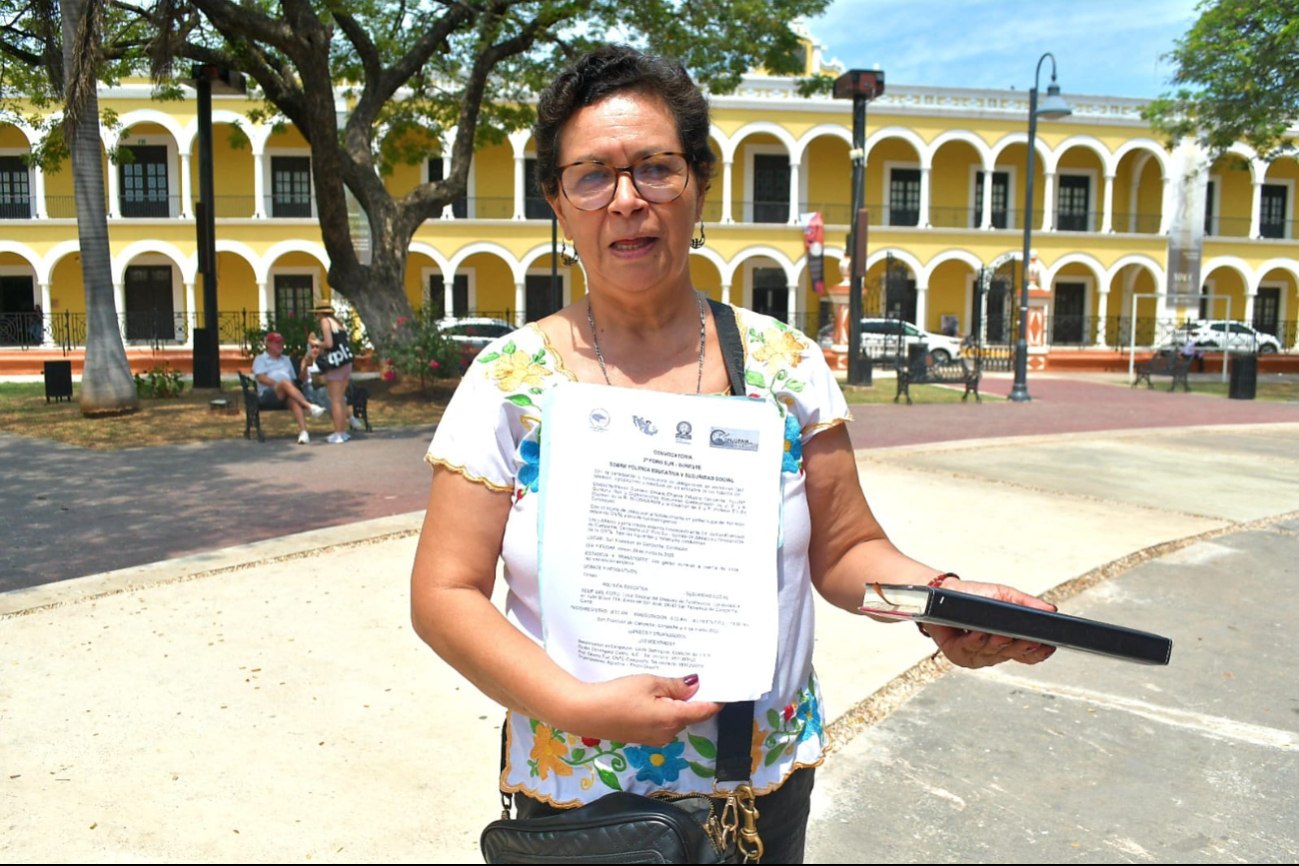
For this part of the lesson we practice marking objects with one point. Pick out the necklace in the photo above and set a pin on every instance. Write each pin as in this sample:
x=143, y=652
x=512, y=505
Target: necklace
x=599, y=356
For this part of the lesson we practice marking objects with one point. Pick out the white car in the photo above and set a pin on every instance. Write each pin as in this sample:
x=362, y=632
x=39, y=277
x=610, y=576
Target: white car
x=472, y=334
x=879, y=337
x=1235, y=336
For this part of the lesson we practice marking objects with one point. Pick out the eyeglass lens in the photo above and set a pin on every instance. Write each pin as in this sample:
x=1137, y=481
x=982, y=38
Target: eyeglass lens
x=658, y=178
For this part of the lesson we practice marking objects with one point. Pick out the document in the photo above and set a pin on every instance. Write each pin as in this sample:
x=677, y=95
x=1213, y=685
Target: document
x=658, y=536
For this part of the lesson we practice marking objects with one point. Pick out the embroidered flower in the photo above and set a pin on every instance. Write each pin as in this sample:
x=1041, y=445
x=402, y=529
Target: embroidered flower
x=780, y=347
x=657, y=765
x=590, y=742
x=809, y=714
x=549, y=751
x=516, y=369
x=789, y=712
x=793, y=459
x=758, y=745
x=530, y=473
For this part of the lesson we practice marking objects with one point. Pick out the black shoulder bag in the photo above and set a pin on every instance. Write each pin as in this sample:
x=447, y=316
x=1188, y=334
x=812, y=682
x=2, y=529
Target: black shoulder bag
x=630, y=828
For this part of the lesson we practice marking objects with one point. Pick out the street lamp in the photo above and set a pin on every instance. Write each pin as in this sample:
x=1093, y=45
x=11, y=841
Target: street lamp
x=861, y=85
x=1053, y=108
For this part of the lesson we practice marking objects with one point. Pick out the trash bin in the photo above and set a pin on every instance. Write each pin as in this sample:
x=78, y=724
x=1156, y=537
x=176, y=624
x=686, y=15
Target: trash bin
x=1244, y=377
x=918, y=361
x=58, y=381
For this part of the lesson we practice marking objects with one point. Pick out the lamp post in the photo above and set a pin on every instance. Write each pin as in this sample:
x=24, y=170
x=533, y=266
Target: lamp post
x=861, y=85
x=1053, y=108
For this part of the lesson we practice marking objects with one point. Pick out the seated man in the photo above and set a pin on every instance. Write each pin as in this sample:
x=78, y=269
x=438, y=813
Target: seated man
x=1194, y=354
x=276, y=386
x=319, y=394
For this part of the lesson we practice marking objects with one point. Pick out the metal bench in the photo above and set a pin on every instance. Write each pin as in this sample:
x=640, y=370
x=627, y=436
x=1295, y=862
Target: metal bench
x=1168, y=362
x=920, y=371
x=356, y=395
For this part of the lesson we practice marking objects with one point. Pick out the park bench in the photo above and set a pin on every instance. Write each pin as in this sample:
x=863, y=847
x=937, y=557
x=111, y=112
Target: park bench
x=357, y=397
x=1166, y=362
x=919, y=371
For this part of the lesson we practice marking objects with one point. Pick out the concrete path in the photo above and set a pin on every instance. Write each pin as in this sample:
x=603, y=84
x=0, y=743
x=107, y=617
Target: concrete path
x=272, y=703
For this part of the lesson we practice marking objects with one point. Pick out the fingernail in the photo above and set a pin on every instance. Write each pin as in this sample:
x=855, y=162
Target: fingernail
x=691, y=680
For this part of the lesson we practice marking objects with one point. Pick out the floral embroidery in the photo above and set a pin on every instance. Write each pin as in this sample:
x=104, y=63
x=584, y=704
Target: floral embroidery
x=512, y=369
x=780, y=346
x=793, y=459
x=658, y=765
x=799, y=720
x=549, y=748
x=809, y=712
x=530, y=472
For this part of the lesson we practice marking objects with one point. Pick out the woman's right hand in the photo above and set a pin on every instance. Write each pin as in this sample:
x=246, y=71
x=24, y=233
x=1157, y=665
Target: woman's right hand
x=637, y=709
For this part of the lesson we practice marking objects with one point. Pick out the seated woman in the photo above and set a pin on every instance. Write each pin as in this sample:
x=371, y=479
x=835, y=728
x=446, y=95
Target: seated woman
x=624, y=160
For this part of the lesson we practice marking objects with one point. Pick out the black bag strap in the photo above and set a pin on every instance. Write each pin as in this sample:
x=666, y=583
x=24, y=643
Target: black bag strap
x=728, y=335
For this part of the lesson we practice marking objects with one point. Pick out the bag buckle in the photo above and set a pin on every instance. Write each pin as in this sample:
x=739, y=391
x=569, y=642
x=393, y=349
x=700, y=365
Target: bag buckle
x=739, y=821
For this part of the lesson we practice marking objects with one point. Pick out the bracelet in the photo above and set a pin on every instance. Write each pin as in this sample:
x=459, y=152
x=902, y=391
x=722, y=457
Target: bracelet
x=936, y=583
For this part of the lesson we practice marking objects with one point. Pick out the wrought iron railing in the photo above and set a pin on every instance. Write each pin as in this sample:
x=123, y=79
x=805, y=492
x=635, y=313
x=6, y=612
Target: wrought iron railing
x=1230, y=227
x=1137, y=223
x=16, y=207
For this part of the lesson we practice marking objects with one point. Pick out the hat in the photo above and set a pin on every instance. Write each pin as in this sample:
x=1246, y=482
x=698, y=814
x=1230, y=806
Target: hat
x=275, y=337
x=323, y=308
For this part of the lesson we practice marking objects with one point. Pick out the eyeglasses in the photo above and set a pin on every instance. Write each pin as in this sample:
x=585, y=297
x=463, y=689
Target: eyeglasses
x=659, y=178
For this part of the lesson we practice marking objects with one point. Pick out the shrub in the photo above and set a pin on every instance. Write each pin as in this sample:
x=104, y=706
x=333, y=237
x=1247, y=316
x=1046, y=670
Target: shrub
x=417, y=348
x=161, y=381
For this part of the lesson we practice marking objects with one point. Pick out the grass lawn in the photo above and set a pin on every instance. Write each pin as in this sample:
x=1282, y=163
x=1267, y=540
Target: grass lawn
x=1274, y=388
x=187, y=418
x=883, y=391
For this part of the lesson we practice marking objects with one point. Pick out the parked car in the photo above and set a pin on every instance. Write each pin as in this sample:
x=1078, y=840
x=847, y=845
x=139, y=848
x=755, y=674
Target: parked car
x=879, y=337
x=472, y=334
x=1235, y=336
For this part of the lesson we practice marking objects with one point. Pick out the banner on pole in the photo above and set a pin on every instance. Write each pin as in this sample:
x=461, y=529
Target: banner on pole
x=814, y=245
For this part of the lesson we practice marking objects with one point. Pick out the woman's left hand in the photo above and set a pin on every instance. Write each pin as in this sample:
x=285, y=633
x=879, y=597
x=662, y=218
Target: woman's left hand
x=976, y=649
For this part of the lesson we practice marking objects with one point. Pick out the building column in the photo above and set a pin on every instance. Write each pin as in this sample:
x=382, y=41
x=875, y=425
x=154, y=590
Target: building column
x=114, y=191
x=1107, y=217
x=1250, y=295
x=191, y=314
x=985, y=219
x=1103, y=295
x=1256, y=211
x=1165, y=208
x=119, y=302
x=727, y=219
x=520, y=304
x=187, y=189
x=791, y=304
x=47, y=333
x=519, y=163
x=922, y=307
x=726, y=293
x=38, y=190
x=264, y=303
x=1048, y=201
x=448, y=210
x=793, y=193
x=923, y=221
x=259, y=187
x=448, y=295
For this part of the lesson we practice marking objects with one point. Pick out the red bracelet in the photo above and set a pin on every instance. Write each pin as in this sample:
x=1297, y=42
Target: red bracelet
x=936, y=583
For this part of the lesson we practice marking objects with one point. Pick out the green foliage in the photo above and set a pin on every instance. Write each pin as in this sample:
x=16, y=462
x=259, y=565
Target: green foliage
x=1237, y=77
x=161, y=381
x=417, y=348
x=293, y=328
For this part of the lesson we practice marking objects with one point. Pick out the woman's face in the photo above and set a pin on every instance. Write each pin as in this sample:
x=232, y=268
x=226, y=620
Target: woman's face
x=632, y=245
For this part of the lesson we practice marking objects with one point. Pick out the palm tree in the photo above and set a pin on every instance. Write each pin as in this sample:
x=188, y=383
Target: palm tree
x=107, y=387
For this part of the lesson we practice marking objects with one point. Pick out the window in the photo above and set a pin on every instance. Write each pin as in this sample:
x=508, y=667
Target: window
x=539, y=297
x=1000, y=199
x=291, y=186
x=1272, y=221
x=770, y=188
x=294, y=296
x=770, y=293
x=535, y=206
x=904, y=197
x=150, y=314
x=15, y=189
x=18, y=323
x=1267, y=310
x=1208, y=208
x=144, y=182
x=459, y=296
x=1074, y=203
x=1067, y=321
x=460, y=207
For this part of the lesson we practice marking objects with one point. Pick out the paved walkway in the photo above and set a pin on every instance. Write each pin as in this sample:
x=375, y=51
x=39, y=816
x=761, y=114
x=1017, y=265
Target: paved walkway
x=272, y=703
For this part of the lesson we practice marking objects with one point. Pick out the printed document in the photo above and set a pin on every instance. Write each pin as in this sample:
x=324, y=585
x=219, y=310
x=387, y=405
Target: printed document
x=659, y=528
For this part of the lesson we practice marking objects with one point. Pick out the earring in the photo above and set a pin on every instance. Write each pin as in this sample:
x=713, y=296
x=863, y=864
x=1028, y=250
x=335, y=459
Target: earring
x=696, y=243
x=564, y=257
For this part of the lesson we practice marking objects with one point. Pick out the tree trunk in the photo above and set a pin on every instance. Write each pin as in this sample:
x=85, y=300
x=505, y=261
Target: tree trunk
x=107, y=387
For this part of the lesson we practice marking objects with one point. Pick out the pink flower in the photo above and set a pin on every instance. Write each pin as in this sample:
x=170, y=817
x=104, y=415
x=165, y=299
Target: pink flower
x=401, y=320
x=434, y=364
x=389, y=375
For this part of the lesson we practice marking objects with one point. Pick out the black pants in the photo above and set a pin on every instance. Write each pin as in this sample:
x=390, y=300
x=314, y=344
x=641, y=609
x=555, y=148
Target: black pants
x=782, y=816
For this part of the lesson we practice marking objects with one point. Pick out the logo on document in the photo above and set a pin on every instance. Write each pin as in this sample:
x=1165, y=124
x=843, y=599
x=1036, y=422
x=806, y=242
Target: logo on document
x=683, y=431
x=599, y=419
x=644, y=425
x=733, y=439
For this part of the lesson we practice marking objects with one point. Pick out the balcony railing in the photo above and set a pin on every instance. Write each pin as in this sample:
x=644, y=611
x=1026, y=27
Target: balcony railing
x=16, y=207
x=1137, y=223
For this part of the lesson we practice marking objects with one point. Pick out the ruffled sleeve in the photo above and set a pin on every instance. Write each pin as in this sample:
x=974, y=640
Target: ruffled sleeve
x=821, y=404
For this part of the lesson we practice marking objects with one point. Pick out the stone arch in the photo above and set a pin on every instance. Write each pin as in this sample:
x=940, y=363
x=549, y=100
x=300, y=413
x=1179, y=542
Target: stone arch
x=903, y=133
x=189, y=134
x=791, y=273
x=263, y=268
x=1290, y=266
x=188, y=268
x=1086, y=142
x=1146, y=262
x=831, y=130
x=1022, y=138
x=715, y=257
x=947, y=256
x=901, y=255
x=1146, y=145
x=1234, y=263
x=146, y=115
x=980, y=146
x=1086, y=259
x=28, y=132
x=56, y=254
x=433, y=253
x=760, y=126
x=28, y=255
x=517, y=271
x=236, y=248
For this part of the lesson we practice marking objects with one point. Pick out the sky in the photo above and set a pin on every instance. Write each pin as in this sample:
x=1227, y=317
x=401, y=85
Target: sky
x=1101, y=47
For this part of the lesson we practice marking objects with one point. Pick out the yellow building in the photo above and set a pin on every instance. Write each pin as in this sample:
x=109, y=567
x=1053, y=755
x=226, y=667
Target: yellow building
x=945, y=181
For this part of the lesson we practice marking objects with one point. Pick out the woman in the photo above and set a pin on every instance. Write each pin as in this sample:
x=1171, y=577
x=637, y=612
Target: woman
x=334, y=348
x=623, y=158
